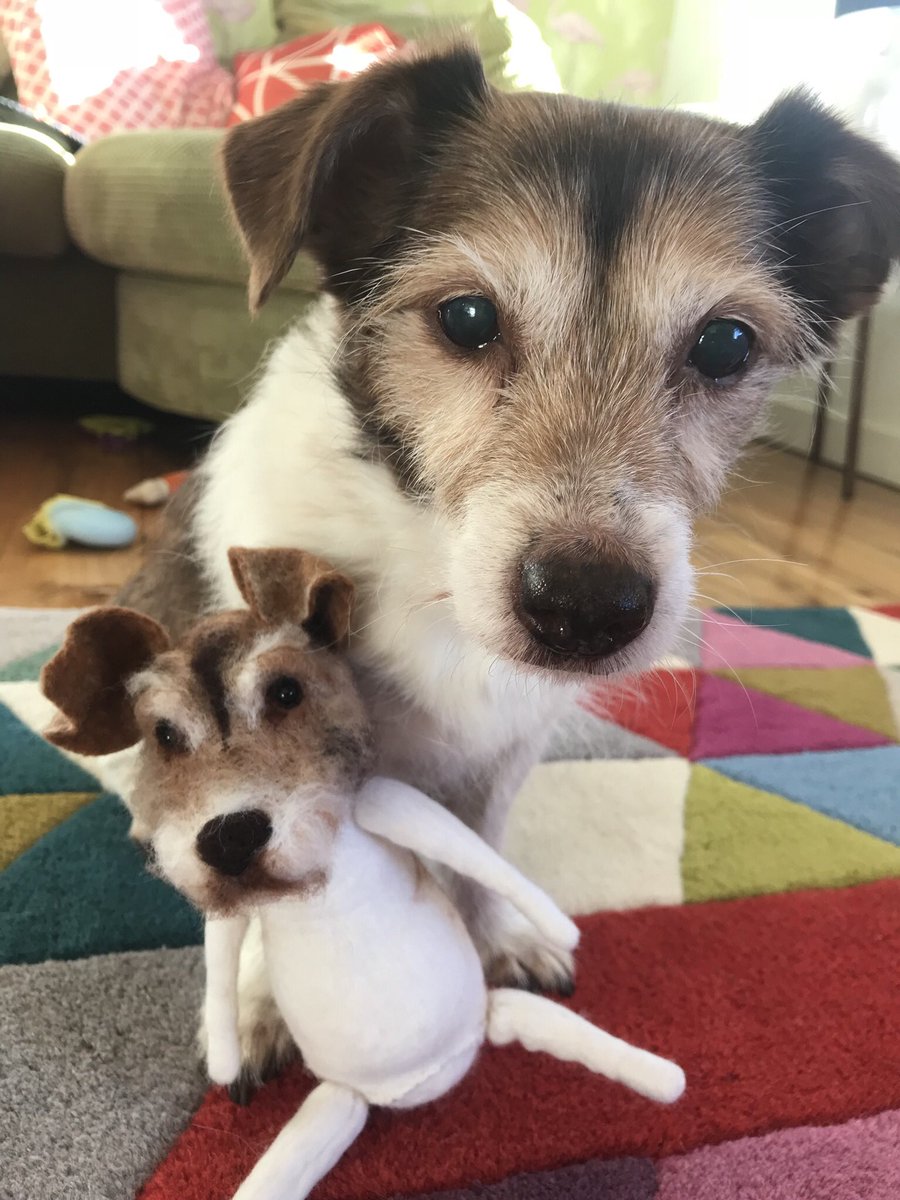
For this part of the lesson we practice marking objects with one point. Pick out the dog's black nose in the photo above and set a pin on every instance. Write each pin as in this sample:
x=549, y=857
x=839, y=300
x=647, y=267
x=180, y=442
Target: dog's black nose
x=229, y=844
x=584, y=608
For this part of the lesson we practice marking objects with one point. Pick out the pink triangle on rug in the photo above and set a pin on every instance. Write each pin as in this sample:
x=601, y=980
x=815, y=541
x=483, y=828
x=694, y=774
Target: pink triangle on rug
x=729, y=642
x=731, y=719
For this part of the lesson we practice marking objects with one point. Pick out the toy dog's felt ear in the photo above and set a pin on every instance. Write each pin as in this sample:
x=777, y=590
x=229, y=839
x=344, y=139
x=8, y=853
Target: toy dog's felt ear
x=87, y=678
x=286, y=585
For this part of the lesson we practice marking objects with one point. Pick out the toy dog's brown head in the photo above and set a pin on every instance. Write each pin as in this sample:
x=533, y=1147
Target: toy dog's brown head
x=251, y=731
x=561, y=318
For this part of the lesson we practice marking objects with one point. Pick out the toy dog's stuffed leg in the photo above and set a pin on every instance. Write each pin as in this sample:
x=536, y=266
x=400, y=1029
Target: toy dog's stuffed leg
x=323, y=1128
x=222, y=950
x=540, y=1024
x=405, y=816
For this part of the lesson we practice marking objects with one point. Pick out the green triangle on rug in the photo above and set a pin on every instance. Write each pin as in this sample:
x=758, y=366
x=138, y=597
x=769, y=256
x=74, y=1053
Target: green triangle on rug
x=859, y=787
x=82, y=890
x=830, y=626
x=29, y=765
x=741, y=841
x=24, y=819
x=891, y=677
x=855, y=695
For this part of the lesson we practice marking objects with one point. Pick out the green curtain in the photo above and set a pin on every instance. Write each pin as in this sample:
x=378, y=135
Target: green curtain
x=611, y=48
x=615, y=49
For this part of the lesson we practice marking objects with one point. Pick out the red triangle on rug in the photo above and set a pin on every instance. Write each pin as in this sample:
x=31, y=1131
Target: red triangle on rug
x=729, y=642
x=889, y=610
x=658, y=705
x=733, y=719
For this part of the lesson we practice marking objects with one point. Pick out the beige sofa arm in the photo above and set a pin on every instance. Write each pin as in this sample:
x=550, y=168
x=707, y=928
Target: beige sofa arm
x=33, y=168
x=151, y=201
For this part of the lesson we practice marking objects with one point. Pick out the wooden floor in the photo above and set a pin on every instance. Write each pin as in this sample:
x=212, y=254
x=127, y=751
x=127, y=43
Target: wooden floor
x=38, y=459
x=782, y=536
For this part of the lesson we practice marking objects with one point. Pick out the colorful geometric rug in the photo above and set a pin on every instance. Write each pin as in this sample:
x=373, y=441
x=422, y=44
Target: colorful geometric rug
x=734, y=862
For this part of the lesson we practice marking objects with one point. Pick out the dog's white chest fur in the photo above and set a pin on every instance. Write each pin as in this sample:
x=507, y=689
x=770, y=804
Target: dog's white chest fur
x=287, y=471
x=397, y=1019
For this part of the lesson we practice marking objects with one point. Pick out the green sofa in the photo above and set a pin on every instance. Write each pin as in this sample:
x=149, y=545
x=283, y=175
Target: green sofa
x=119, y=263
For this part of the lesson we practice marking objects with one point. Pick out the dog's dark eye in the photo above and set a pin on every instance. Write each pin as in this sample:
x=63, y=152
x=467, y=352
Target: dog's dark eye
x=469, y=321
x=169, y=737
x=284, y=692
x=721, y=349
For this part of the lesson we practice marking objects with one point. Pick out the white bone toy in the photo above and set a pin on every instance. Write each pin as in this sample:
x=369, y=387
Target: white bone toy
x=254, y=793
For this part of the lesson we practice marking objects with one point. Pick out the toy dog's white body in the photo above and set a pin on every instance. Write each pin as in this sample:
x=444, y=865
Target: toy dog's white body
x=383, y=990
x=380, y=986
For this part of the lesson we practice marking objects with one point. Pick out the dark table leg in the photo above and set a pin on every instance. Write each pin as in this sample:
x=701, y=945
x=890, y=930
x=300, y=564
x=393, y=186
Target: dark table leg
x=857, y=396
x=823, y=394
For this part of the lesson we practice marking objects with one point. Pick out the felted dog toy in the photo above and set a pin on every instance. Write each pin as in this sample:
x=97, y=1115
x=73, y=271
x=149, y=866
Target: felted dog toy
x=63, y=519
x=255, y=793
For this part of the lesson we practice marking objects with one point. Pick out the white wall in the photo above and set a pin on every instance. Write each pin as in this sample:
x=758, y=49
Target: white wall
x=879, y=450
x=731, y=58
x=739, y=55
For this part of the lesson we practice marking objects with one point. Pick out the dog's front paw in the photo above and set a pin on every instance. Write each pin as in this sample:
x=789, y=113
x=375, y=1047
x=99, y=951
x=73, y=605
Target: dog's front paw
x=516, y=955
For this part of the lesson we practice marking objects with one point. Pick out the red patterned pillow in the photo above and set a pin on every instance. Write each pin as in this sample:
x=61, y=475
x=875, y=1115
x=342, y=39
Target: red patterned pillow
x=266, y=78
x=103, y=65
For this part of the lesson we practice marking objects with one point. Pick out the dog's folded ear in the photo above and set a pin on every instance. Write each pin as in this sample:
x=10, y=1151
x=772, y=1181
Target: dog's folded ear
x=87, y=679
x=333, y=170
x=291, y=586
x=834, y=203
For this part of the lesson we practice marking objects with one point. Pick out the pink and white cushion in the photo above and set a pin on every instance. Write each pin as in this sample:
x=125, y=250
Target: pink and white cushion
x=99, y=66
x=267, y=78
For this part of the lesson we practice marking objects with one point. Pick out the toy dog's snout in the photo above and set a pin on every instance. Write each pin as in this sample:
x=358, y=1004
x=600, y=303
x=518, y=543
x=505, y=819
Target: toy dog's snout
x=229, y=844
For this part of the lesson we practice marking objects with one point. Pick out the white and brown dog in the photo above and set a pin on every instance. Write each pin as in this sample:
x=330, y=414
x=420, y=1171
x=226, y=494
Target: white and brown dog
x=548, y=327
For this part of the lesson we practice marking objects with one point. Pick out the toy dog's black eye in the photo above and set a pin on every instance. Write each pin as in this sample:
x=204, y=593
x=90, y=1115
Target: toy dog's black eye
x=469, y=321
x=722, y=349
x=284, y=692
x=169, y=737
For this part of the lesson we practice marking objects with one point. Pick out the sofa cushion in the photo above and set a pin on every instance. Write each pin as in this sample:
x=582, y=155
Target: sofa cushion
x=266, y=78
x=33, y=168
x=151, y=201
x=191, y=347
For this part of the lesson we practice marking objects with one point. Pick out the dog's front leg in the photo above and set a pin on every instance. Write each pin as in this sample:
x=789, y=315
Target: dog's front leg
x=513, y=952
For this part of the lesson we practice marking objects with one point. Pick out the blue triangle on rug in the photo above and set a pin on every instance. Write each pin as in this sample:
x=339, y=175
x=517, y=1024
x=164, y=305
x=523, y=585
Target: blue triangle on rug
x=28, y=764
x=82, y=890
x=860, y=787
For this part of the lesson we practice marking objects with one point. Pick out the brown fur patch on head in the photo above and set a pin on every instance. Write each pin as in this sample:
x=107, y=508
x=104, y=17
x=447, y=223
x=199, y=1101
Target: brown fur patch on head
x=331, y=170
x=87, y=679
x=211, y=648
x=287, y=586
x=834, y=196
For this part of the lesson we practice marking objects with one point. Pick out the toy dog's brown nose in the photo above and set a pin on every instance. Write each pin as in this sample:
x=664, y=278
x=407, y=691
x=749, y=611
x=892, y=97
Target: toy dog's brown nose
x=229, y=844
x=583, y=608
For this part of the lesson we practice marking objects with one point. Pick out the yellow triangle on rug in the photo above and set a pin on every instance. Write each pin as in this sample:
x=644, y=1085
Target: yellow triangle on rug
x=24, y=819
